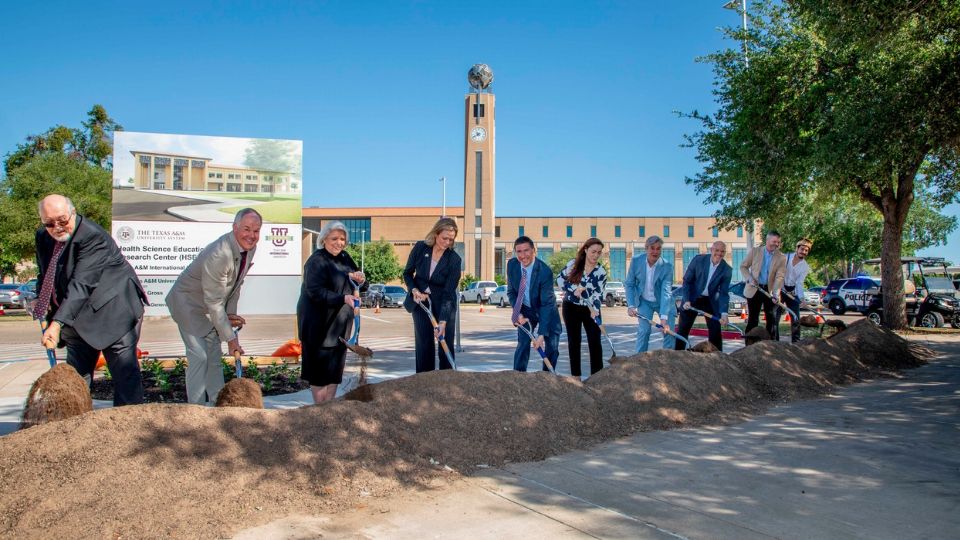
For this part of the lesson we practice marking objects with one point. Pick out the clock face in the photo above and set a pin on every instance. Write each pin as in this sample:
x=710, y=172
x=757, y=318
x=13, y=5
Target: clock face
x=478, y=134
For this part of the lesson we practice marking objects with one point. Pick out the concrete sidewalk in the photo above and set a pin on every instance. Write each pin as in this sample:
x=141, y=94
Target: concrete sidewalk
x=875, y=460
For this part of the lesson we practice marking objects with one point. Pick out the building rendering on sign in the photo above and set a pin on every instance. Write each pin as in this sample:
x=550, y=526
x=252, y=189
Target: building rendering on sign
x=164, y=171
x=485, y=242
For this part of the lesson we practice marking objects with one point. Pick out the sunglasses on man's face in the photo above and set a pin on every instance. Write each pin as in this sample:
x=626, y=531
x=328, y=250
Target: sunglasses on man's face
x=62, y=221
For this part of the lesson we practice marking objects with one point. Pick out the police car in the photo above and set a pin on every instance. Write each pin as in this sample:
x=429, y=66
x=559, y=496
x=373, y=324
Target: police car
x=849, y=294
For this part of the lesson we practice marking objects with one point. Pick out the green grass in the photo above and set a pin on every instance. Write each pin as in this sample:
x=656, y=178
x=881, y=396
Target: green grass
x=275, y=211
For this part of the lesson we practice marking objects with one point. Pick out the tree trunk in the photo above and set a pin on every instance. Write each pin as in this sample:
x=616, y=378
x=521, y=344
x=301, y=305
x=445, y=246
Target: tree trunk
x=891, y=275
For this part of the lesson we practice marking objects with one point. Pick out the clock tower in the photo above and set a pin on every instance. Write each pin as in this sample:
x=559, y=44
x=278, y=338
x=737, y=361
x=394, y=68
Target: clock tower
x=479, y=175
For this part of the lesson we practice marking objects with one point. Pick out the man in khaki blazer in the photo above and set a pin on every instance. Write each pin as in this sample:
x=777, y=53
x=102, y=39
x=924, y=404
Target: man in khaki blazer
x=203, y=302
x=765, y=267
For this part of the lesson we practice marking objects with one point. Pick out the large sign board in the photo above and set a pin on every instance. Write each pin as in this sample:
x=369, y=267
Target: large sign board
x=175, y=194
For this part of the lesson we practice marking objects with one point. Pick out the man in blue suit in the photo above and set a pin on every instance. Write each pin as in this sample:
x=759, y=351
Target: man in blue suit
x=531, y=280
x=706, y=285
x=649, y=283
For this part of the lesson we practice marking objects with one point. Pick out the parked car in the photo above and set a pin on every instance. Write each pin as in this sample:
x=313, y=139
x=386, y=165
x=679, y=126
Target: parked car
x=10, y=295
x=615, y=294
x=499, y=296
x=372, y=295
x=849, y=294
x=393, y=295
x=558, y=294
x=737, y=303
x=477, y=291
x=814, y=295
x=28, y=291
x=934, y=304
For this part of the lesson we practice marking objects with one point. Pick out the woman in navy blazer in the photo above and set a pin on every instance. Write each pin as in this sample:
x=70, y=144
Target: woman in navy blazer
x=433, y=272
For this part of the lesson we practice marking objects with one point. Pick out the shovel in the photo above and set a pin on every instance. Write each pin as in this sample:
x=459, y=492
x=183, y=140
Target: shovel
x=714, y=317
x=815, y=312
x=436, y=326
x=528, y=330
x=236, y=358
x=666, y=330
x=775, y=300
x=603, y=329
x=51, y=353
x=353, y=344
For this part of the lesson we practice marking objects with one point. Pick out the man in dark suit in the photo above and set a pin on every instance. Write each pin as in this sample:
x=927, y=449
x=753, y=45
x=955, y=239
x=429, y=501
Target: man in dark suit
x=706, y=285
x=530, y=290
x=90, y=296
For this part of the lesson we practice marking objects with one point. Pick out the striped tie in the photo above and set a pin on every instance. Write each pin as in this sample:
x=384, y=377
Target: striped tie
x=521, y=293
x=46, y=290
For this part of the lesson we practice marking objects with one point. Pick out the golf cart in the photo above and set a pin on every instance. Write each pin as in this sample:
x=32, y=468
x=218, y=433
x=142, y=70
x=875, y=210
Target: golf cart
x=931, y=305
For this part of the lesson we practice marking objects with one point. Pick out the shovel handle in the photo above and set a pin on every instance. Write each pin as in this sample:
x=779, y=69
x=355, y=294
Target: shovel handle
x=51, y=353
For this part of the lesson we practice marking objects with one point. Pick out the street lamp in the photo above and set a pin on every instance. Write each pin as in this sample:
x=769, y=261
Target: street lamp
x=363, y=236
x=741, y=6
x=443, y=180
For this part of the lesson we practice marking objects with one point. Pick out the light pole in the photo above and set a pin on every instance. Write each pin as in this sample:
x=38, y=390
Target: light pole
x=363, y=237
x=443, y=180
x=741, y=6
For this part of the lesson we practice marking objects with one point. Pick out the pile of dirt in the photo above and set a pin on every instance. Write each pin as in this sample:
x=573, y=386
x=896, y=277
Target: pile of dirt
x=183, y=470
x=240, y=393
x=58, y=394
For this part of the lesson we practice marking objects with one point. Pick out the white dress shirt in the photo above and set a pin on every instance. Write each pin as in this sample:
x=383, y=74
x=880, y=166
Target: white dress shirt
x=796, y=273
x=713, y=268
x=648, y=293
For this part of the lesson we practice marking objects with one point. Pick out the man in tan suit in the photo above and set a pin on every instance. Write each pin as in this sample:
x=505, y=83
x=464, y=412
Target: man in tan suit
x=203, y=302
x=765, y=268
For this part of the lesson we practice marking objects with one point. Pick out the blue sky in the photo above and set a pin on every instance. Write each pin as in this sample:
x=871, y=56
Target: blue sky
x=586, y=91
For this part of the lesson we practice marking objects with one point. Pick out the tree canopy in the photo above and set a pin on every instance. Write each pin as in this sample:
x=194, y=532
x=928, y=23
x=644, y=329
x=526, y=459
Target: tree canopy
x=380, y=263
x=844, y=99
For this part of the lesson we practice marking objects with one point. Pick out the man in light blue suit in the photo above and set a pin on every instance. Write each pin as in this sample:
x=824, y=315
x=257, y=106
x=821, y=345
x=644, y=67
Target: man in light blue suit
x=649, y=282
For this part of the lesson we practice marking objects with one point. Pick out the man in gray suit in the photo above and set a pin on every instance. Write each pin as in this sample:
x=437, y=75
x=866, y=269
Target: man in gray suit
x=648, y=284
x=203, y=302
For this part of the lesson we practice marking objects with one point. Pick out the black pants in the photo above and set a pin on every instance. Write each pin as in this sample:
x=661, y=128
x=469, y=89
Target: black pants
x=121, y=360
x=576, y=317
x=688, y=317
x=794, y=305
x=426, y=343
x=754, y=305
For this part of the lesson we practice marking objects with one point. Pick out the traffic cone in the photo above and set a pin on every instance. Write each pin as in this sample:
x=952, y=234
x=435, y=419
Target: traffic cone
x=787, y=319
x=481, y=305
x=743, y=315
x=376, y=306
x=1, y=310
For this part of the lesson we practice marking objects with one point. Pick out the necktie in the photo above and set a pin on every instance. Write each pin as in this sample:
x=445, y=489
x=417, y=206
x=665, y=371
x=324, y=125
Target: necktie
x=521, y=293
x=243, y=263
x=46, y=289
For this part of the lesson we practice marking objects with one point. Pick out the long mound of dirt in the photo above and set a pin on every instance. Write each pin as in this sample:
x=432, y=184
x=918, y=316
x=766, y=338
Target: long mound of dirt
x=188, y=471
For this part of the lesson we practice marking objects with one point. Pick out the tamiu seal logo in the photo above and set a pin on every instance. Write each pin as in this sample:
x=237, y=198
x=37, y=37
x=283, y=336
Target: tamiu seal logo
x=279, y=237
x=126, y=234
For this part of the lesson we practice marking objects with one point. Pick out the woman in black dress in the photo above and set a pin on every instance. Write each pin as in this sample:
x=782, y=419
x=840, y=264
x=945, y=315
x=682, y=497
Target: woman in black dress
x=433, y=273
x=325, y=311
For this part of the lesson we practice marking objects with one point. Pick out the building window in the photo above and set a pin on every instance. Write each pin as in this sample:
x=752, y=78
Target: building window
x=618, y=263
x=219, y=175
x=616, y=231
x=479, y=177
x=716, y=232
x=546, y=231
x=478, y=221
x=688, y=255
x=499, y=261
x=497, y=231
x=250, y=188
x=593, y=231
x=358, y=230
x=266, y=189
x=739, y=254
x=210, y=175
x=569, y=231
x=643, y=231
x=666, y=231
x=521, y=230
x=668, y=254
x=690, y=231
x=477, y=255
x=739, y=232
x=478, y=110
x=233, y=187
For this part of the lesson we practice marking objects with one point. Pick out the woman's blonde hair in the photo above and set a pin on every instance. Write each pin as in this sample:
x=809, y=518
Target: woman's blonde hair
x=441, y=225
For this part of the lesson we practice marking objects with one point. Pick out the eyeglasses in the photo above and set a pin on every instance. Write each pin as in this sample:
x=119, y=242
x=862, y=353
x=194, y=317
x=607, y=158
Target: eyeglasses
x=61, y=222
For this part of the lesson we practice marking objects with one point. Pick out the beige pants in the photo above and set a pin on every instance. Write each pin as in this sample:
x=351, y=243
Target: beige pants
x=204, y=367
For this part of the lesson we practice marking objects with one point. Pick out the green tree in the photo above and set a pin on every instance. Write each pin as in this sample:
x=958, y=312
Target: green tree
x=380, y=263
x=560, y=259
x=87, y=185
x=273, y=155
x=861, y=98
x=96, y=143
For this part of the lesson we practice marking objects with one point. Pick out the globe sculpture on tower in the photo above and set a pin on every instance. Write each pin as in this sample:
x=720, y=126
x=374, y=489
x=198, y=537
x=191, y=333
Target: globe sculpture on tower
x=480, y=76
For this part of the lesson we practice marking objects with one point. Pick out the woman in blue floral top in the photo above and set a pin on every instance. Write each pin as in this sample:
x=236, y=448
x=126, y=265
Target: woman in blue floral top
x=583, y=281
